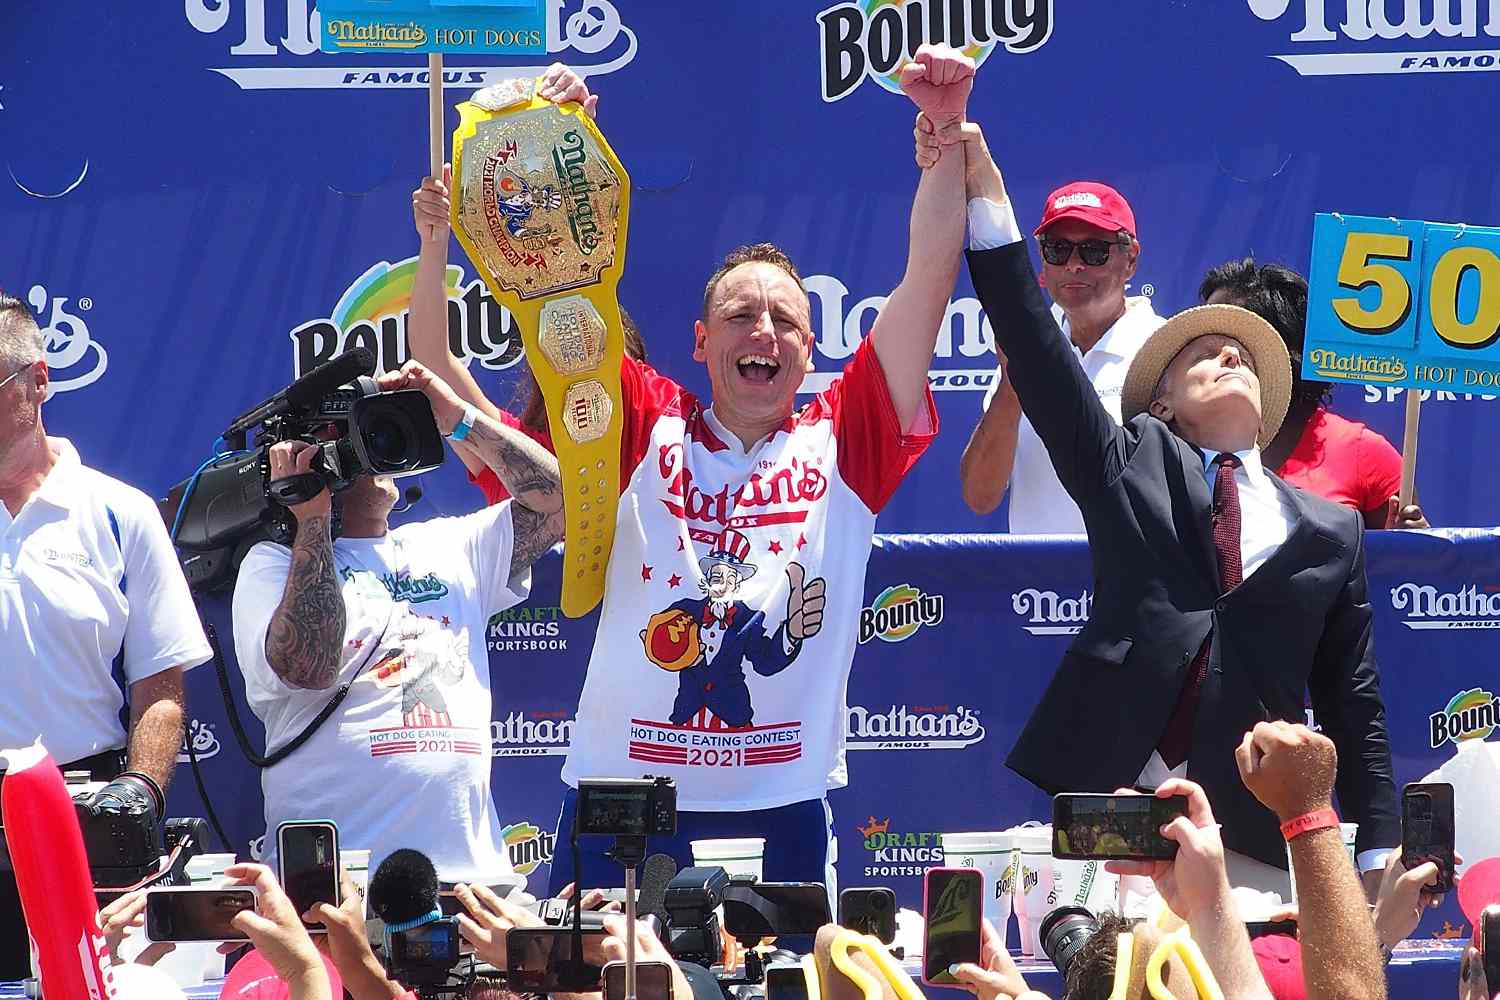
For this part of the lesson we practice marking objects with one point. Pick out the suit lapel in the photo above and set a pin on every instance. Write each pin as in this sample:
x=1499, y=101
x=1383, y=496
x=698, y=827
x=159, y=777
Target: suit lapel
x=1302, y=541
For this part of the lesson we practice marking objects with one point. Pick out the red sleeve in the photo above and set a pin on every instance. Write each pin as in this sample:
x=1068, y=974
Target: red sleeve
x=489, y=484
x=873, y=453
x=648, y=395
x=1379, y=469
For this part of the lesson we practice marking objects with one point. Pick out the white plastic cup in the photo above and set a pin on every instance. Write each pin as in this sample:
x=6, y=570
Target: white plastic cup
x=736, y=855
x=208, y=869
x=1083, y=883
x=994, y=854
x=356, y=864
x=1347, y=832
x=1034, y=888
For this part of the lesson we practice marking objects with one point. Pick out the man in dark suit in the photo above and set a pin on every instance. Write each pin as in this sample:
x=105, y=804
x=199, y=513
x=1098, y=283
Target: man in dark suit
x=1221, y=594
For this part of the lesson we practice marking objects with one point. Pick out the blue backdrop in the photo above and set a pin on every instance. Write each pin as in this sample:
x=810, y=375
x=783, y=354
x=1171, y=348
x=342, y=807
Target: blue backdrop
x=199, y=205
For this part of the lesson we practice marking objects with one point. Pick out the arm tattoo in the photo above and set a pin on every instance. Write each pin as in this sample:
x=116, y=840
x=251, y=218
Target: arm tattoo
x=533, y=534
x=531, y=475
x=307, y=630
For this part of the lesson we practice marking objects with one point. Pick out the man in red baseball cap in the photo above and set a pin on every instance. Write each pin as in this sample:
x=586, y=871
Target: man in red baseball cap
x=1089, y=254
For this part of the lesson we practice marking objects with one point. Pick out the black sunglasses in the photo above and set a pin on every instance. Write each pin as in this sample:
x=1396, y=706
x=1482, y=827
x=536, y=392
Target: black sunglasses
x=1094, y=252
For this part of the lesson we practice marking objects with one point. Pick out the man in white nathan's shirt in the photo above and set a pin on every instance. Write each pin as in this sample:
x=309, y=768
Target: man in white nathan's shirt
x=1089, y=254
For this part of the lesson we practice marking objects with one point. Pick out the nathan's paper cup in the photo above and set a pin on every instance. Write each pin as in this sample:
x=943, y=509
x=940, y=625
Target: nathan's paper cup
x=1083, y=883
x=1034, y=888
x=356, y=864
x=993, y=854
x=1347, y=831
x=736, y=855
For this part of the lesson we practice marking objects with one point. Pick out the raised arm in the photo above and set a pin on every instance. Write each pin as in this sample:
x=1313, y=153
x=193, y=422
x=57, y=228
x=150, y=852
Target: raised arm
x=938, y=79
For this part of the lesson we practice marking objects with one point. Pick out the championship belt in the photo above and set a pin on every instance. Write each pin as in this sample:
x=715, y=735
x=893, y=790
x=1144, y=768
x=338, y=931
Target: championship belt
x=541, y=206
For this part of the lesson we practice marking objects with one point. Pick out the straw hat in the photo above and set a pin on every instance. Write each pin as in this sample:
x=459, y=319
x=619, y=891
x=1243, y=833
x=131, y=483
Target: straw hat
x=1273, y=366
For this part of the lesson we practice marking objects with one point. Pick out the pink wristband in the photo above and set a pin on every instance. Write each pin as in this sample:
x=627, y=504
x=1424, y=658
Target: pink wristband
x=1318, y=819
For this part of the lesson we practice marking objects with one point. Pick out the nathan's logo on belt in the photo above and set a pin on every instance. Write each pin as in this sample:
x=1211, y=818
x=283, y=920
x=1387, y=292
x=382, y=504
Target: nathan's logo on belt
x=893, y=852
x=568, y=159
x=528, y=846
x=1470, y=715
x=1370, y=21
x=902, y=728
x=874, y=37
x=1428, y=608
x=1047, y=613
x=898, y=612
x=545, y=734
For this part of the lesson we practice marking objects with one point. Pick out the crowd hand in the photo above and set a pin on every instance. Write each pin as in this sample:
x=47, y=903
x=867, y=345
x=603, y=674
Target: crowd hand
x=293, y=458
x=1288, y=767
x=998, y=978
x=124, y=914
x=430, y=207
x=1194, y=884
x=488, y=921
x=1471, y=979
x=348, y=946
x=648, y=948
x=560, y=84
x=277, y=932
x=1402, y=898
x=447, y=406
x=1410, y=516
x=938, y=79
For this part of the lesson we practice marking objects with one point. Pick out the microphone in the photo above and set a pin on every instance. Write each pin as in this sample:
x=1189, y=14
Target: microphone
x=404, y=890
x=309, y=388
x=656, y=874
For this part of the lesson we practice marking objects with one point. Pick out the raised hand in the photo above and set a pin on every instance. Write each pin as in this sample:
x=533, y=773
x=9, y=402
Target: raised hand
x=447, y=406
x=938, y=79
x=1289, y=768
x=560, y=84
x=429, y=207
x=1195, y=883
x=804, y=603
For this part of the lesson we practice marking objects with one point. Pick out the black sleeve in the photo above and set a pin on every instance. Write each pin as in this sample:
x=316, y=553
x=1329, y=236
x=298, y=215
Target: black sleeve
x=1088, y=449
x=1345, y=688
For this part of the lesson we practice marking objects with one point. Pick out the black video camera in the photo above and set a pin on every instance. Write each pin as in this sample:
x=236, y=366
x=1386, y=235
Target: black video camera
x=627, y=807
x=425, y=957
x=231, y=503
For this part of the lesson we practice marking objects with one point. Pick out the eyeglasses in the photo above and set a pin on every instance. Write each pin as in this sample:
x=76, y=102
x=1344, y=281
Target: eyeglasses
x=1094, y=252
x=11, y=377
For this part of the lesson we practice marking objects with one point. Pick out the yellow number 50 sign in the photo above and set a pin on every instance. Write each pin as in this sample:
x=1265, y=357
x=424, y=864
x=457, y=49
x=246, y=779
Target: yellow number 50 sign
x=1402, y=302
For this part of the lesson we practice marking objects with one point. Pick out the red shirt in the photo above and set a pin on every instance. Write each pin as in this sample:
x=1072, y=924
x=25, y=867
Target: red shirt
x=1344, y=461
x=494, y=490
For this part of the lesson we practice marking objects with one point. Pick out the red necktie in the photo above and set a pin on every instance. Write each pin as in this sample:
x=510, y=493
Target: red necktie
x=1177, y=739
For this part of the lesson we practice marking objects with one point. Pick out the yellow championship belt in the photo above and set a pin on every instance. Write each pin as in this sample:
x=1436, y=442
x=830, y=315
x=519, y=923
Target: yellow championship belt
x=541, y=206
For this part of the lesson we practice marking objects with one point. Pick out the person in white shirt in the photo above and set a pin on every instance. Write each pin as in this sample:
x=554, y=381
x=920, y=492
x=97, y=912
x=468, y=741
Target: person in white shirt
x=89, y=589
x=1089, y=254
x=393, y=620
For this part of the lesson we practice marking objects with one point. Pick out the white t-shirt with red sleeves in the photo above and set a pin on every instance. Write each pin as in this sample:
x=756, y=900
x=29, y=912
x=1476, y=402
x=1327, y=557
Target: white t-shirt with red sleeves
x=695, y=673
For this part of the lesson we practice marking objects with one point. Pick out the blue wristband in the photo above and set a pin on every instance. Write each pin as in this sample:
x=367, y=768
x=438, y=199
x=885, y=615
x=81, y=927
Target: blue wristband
x=465, y=424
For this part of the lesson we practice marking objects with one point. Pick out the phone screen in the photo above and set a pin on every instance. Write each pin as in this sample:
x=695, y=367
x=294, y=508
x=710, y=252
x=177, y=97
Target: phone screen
x=784, y=982
x=309, y=856
x=1119, y=827
x=869, y=911
x=954, y=899
x=653, y=981
x=196, y=914
x=541, y=960
x=1427, y=830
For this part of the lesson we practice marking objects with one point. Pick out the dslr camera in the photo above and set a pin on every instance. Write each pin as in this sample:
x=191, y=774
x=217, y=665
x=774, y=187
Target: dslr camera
x=231, y=503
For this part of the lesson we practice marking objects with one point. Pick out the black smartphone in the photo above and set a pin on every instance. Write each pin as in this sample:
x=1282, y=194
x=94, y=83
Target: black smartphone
x=784, y=982
x=952, y=901
x=1114, y=827
x=653, y=981
x=767, y=909
x=1489, y=944
x=307, y=852
x=869, y=911
x=542, y=960
x=1427, y=830
x=196, y=914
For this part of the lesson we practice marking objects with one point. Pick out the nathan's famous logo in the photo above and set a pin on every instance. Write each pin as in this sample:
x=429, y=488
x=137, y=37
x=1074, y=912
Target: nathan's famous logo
x=568, y=159
x=529, y=847
x=898, y=612
x=276, y=46
x=525, y=629
x=1343, y=364
x=200, y=736
x=1047, y=613
x=896, y=853
x=1469, y=715
x=778, y=489
x=1428, y=608
x=376, y=35
x=402, y=586
x=1364, y=21
x=918, y=728
x=542, y=734
x=373, y=313
x=872, y=39
x=74, y=359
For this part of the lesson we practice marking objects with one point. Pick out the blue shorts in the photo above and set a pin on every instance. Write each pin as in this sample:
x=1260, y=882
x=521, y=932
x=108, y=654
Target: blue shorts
x=800, y=845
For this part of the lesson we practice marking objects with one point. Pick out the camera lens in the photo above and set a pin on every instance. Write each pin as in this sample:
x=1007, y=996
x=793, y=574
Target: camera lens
x=387, y=437
x=1064, y=932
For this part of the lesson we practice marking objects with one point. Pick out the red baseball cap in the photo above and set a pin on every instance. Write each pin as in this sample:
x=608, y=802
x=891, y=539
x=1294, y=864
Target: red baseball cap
x=252, y=978
x=1280, y=959
x=1088, y=201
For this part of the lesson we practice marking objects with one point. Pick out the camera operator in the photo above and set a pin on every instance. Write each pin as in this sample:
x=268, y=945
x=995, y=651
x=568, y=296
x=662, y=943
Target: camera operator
x=394, y=619
x=90, y=589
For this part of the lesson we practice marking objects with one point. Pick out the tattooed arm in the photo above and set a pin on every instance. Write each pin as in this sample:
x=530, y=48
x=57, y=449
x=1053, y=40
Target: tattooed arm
x=307, y=628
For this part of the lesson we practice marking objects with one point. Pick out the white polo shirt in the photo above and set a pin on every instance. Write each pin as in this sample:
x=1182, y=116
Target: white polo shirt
x=86, y=571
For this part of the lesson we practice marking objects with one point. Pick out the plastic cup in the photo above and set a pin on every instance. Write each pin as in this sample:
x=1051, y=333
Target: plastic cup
x=994, y=854
x=1034, y=847
x=356, y=864
x=1348, y=832
x=208, y=869
x=736, y=855
x=1083, y=883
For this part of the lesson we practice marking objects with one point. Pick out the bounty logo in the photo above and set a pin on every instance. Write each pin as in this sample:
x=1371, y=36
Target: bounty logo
x=1368, y=24
x=896, y=853
x=374, y=310
x=528, y=846
x=1428, y=608
x=1470, y=715
x=1048, y=614
x=547, y=734
x=919, y=728
x=277, y=48
x=898, y=612
x=872, y=39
